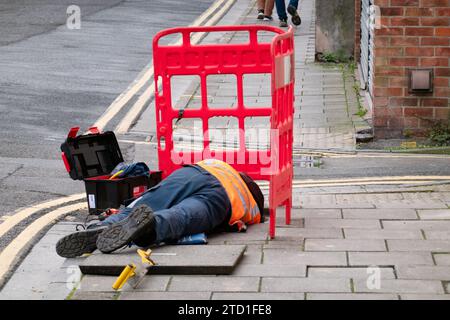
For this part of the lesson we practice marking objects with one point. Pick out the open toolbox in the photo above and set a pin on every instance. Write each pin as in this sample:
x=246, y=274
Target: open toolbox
x=91, y=157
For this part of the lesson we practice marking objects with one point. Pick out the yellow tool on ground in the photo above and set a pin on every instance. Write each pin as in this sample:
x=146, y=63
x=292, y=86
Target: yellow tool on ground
x=115, y=175
x=135, y=273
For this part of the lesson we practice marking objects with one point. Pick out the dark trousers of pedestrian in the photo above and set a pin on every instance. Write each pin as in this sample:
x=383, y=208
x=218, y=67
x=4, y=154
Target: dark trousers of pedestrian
x=281, y=8
x=187, y=202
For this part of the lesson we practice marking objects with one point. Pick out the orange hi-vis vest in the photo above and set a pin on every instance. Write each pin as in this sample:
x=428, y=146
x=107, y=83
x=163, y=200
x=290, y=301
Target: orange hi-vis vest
x=244, y=209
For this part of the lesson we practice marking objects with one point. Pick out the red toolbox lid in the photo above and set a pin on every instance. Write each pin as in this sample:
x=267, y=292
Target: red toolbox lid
x=90, y=155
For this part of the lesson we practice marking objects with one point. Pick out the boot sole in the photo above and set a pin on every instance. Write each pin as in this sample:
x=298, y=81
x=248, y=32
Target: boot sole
x=122, y=233
x=295, y=17
x=77, y=244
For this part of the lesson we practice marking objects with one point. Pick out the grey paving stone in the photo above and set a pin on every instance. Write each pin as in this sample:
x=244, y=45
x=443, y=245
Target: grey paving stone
x=270, y=270
x=350, y=296
x=425, y=225
x=342, y=223
x=391, y=214
x=293, y=257
x=411, y=204
x=437, y=235
x=165, y=295
x=401, y=286
x=194, y=259
x=96, y=284
x=317, y=213
x=442, y=259
x=213, y=283
x=258, y=296
x=252, y=255
x=305, y=285
x=443, y=214
x=425, y=296
x=419, y=245
x=310, y=233
x=382, y=234
x=347, y=273
x=344, y=245
x=424, y=272
x=389, y=258
x=94, y=295
x=151, y=283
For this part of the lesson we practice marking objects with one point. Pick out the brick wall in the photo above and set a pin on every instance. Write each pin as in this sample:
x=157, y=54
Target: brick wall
x=414, y=34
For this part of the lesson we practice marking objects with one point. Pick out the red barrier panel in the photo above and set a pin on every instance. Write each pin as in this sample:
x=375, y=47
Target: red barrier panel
x=275, y=58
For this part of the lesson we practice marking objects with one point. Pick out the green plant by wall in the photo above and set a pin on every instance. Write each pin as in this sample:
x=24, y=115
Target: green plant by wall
x=440, y=133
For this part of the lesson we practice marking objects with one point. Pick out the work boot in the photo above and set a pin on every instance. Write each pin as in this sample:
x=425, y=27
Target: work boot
x=79, y=243
x=295, y=17
x=137, y=228
x=283, y=23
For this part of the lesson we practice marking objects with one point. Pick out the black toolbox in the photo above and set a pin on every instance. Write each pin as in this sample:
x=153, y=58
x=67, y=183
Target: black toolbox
x=91, y=157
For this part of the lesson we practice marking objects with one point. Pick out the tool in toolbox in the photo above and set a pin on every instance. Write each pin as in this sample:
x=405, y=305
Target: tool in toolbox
x=134, y=272
x=92, y=157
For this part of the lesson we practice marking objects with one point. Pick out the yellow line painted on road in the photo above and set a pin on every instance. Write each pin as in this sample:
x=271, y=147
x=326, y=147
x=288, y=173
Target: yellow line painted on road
x=22, y=214
x=143, y=78
x=366, y=180
x=148, y=94
x=409, y=182
x=9, y=255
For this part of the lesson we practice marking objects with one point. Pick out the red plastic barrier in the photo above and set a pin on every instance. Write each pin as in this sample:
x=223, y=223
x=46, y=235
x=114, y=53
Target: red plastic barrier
x=276, y=58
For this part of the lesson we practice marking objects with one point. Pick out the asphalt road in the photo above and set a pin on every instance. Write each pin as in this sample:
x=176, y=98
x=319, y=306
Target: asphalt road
x=54, y=78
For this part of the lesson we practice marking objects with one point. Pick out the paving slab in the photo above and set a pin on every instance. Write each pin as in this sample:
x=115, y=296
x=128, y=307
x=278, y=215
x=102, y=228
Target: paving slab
x=350, y=296
x=86, y=295
x=443, y=214
x=195, y=259
x=389, y=258
x=188, y=295
x=425, y=296
x=309, y=233
x=214, y=283
x=442, y=259
x=422, y=224
x=382, y=234
x=270, y=270
x=292, y=257
x=419, y=245
x=342, y=223
x=391, y=214
x=401, y=286
x=344, y=245
x=424, y=272
x=437, y=235
x=305, y=285
x=348, y=273
x=258, y=296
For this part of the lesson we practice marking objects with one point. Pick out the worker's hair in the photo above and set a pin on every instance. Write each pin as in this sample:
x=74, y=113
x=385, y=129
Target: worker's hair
x=255, y=191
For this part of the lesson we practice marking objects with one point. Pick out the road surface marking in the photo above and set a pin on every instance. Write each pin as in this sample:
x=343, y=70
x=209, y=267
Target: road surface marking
x=132, y=115
x=22, y=214
x=9, y=255
x=144, y=77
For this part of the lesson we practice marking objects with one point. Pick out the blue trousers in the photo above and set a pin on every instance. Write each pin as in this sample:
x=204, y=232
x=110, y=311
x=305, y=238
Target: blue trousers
x=281, y=8
x=187, y=202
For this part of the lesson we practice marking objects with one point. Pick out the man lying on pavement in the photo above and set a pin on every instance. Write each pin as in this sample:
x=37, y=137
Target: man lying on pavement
x=199, y=198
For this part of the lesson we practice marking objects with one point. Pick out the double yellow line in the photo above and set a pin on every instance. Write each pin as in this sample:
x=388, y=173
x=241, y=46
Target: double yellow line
x=10, y=255
x=210, y=17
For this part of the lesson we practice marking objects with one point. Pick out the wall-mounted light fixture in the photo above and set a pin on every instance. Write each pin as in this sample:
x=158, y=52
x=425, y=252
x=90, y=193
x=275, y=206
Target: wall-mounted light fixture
x=420, y=80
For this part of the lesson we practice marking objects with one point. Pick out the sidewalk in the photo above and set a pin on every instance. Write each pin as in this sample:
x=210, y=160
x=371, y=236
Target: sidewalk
x=336, y=234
